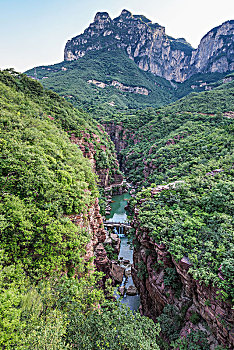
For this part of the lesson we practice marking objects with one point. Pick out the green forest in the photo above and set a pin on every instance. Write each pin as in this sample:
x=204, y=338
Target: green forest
x=70, y=79
x=51, y=296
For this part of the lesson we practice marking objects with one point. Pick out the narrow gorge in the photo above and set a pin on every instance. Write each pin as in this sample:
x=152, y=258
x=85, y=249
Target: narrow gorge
x=184, y=305
x=116, y=191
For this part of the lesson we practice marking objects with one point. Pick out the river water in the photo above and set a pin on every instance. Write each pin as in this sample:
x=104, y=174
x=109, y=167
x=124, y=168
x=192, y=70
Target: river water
x=118, y=214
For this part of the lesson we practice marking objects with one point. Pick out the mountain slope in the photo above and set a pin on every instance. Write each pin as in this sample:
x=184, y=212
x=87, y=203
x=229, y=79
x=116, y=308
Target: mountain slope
x=108, y=79
x=157, y=145
x=121, y=63
x=50, y=225
x=183, y=238
x=81, y=127
x=44, y=179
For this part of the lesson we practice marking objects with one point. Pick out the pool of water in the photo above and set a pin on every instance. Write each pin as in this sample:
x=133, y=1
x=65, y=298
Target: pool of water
x=118, y=214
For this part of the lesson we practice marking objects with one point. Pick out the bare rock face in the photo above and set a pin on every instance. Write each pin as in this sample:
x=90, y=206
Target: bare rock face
x=121, y=290
x=152, y=49
x=118, y=134
x=94, y=224
x=215, y=51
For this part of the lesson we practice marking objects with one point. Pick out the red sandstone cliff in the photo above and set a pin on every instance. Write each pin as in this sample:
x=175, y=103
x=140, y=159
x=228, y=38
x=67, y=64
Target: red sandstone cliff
x=89, y=145
x=150, y=263
x=94, y=224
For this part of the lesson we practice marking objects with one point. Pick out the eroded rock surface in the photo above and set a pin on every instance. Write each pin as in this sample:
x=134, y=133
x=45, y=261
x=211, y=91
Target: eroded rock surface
x=148, y=45
x=187, y=295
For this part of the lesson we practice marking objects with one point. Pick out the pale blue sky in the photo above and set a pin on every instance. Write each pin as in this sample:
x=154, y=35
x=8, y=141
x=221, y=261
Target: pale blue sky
x=34, y=32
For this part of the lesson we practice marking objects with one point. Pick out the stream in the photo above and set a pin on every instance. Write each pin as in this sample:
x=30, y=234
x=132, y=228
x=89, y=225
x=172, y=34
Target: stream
x=118, y=214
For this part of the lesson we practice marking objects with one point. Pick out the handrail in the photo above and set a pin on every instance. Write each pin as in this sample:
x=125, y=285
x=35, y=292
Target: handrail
x=112, y=223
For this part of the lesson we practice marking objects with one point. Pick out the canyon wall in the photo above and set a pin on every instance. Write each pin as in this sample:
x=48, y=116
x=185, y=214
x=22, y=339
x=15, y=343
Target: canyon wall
x=90, y=145
x=118, y=134
x=93, y=221
x=189, y=297
x=94, y=224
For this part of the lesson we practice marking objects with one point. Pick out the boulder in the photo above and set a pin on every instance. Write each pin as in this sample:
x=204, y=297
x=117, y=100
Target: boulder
x=108, y=240
x=117, y=272
x=126, y=262
x=121, y=290
x=131, y=290
x=114, y=237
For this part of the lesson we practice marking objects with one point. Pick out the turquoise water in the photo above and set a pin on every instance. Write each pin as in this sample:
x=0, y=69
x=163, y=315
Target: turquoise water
x=118, y=214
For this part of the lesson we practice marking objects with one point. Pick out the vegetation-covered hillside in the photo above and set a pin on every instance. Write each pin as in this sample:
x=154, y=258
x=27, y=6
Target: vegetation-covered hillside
x=189, y=145
x=45, y=178
x=182, y=142
x=194, y=219
x=220, y=99
x=202, y=82
x=170, y=142
x=70, y=79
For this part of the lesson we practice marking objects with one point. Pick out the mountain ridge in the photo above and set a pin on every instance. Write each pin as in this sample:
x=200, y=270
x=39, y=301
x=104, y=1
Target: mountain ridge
x=148, y=45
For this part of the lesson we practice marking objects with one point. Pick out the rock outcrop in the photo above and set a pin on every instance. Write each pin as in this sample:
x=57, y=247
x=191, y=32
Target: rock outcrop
x=93, y=149
x=118, y=134
x=148, y=45
x=93, y=223
x=215, y=51
x=188, y=296
x=124, y=88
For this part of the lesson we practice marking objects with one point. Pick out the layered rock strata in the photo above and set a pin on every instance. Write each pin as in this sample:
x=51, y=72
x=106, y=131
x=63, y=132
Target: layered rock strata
x=124, y=88
x=93, y=223
x=148, y=45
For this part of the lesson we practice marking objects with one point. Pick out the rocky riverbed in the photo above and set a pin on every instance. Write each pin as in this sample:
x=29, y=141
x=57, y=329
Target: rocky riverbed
x=121, y=269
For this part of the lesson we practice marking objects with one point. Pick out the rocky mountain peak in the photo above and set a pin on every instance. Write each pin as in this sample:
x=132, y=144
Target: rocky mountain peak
x=102, y=16
x=147, y=44
x=126, y=14
x=216, y=50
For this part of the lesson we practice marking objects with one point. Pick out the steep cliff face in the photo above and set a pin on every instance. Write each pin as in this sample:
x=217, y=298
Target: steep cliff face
x=107, y=168
x=147, y=44
x=144, y=42
x=121, y=135
x=163, y=280
x=215, y=51
x=94, y=224
x=187, y=296
x=118, y=135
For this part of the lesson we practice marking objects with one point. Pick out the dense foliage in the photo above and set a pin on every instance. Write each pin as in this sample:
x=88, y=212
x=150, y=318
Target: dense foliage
x=174, y=145
x=62, y=313
x=200, y=82
x=44, y=179
x=194, y=219
x=104, y=67
x=70, y=79
x=162, y=144
x=220, y=99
